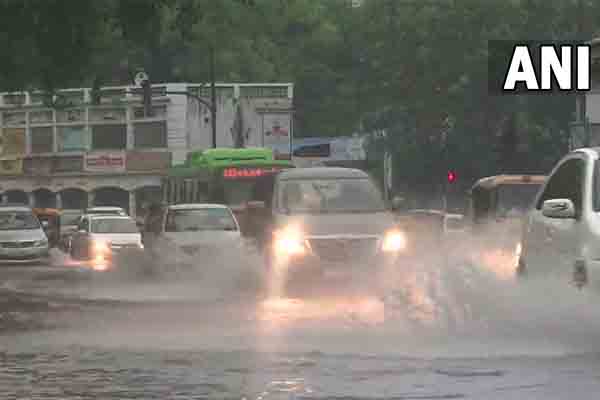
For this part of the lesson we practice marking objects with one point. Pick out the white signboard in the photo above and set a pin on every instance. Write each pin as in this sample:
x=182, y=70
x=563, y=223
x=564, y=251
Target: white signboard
x=109, y=161
x=276, y=128
x=345, y=148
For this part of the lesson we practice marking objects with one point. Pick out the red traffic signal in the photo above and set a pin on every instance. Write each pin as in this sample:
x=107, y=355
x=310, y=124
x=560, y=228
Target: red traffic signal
x=451, y=176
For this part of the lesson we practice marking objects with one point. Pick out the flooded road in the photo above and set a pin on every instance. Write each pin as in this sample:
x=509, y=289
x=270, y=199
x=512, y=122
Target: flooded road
x=460, y=333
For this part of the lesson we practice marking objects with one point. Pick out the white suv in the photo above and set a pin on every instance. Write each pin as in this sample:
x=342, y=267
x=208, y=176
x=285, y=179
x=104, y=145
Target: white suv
x=561, y=234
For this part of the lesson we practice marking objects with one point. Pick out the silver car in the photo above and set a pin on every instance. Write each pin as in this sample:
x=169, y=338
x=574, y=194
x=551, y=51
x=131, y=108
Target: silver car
x=330, y=222
x=22, y=237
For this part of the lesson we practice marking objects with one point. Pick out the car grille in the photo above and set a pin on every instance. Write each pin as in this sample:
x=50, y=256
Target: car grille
x=17, y=245
x=344, y=249
x=125, y=246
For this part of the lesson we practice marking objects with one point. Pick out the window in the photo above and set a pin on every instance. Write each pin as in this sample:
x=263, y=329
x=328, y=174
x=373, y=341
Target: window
x=150, y=134
x=73, y=138
x=17, y=220
x=109, y=137
x=83, y=225
x=330, y=196
x=114, y=225
x=565, y=183
x=200, y=219
x=42, y=140
x=596, y=188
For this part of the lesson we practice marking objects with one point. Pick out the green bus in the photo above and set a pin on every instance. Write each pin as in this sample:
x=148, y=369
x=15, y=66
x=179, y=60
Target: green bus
x=225, y=176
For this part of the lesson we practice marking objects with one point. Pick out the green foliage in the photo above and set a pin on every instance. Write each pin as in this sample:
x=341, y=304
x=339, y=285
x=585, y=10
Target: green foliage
x=403, y=66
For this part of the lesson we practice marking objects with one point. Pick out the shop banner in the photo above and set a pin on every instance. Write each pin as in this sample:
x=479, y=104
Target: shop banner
x=11, y=166
x=68, y=164
x=276, y=128
x=110, y=161
x=13, y=141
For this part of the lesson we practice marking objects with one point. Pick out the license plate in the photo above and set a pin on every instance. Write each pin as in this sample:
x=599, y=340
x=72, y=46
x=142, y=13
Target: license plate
x=335, y=274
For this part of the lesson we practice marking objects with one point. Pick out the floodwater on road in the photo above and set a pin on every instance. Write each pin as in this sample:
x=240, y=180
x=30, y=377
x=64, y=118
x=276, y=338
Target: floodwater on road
x=458, y=333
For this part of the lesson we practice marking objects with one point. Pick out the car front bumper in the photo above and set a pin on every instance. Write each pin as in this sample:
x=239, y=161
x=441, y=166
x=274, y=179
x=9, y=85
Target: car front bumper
x=24, y=255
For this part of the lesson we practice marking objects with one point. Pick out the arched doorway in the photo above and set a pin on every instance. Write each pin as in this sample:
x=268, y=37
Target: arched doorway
x=44, y=198
x=111, y=197
x=74, y=199
x=145, y=195
x=16, y=197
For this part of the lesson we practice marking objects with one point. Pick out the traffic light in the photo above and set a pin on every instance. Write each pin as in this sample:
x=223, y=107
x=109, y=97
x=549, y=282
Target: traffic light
x=451, y=176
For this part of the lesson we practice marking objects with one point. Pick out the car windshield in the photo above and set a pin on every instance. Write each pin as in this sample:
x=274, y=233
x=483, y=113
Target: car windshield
x=111, y=212
x=200, y=219
x=330, y=196
x=18, y=220
x=114, y=225
x=454, y=224
x=69, y=218
x=515, y=199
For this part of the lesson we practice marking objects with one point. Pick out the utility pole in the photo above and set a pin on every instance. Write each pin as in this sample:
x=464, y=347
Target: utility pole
x=580, y=97
x=213, y=98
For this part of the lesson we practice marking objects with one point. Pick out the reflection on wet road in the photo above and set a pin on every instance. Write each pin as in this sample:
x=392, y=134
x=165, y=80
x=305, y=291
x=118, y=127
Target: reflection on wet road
x=453, y=332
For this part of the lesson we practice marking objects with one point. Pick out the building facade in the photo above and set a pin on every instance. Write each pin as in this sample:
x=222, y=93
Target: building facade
x=80, y=154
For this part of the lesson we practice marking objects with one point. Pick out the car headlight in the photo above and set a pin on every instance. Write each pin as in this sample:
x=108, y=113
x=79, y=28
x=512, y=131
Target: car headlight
x=394, y=241
x=289, y=241
x=41, y=243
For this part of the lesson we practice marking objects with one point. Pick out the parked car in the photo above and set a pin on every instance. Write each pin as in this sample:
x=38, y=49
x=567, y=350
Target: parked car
x=561, y=233
x=101, y=238
x=22, y=237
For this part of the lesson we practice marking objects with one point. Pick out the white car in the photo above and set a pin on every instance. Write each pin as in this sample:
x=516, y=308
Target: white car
x=208, y=231
x=561, y=233
x=99, y=238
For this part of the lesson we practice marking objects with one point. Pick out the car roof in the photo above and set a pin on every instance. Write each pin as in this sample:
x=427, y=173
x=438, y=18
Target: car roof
x=108, y=216
x=196, y=206
x=106, y=208
x=490, y=182
x=15, y=207
x=321, y=173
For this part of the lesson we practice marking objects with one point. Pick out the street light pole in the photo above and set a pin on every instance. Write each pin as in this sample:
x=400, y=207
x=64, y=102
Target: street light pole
x=213, y=98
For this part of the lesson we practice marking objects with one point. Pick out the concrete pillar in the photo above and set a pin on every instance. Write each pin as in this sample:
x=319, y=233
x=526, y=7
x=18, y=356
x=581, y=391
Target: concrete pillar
x=132, y=203
x=31, y=199
x=59, y=200
x=90, y=198
x=3, y=198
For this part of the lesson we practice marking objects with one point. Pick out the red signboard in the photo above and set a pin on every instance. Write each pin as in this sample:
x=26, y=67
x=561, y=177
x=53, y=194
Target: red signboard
x=234, y=173
x=105, y=162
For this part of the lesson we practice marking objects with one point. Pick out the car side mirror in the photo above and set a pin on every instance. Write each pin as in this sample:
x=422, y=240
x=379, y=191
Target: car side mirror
x=256, y=205
x=397, y=203
x=558, y=208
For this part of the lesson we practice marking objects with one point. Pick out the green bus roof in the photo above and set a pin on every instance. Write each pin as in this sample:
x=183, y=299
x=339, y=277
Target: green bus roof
x=222, y=157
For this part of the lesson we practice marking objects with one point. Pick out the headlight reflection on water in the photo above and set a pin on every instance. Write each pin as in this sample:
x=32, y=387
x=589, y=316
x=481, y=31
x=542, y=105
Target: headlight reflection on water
x=278, y=311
